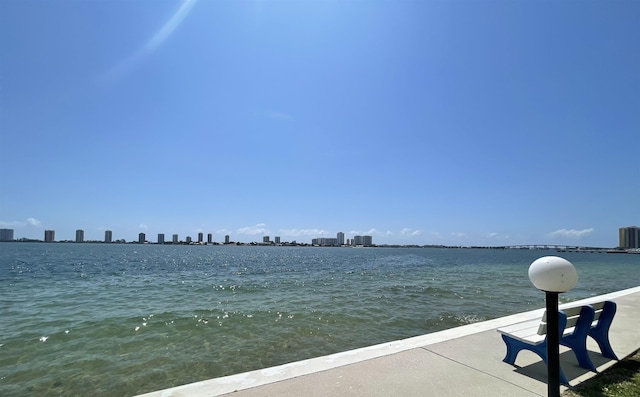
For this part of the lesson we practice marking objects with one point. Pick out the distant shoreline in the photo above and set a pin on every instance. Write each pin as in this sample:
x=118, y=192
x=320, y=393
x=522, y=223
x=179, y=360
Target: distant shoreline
x=537, y=247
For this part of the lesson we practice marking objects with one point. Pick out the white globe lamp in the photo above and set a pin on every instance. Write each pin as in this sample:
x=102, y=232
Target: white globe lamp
x=553, y=275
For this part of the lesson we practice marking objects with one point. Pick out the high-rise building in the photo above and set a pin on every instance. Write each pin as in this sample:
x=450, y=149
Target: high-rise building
x=108, y=236
x=188, y=239
x=277, y=239
x=160, y=238
x=6, y=234
x=142, y=238
x=200, y=237
x=79, y=236
x=265, y=239
x=175, y=239
x=629, y=237
x=209, y=238
x=340, y=237
x=226, y=239
x=49, y=236
x=325, y=242
x=366, y=241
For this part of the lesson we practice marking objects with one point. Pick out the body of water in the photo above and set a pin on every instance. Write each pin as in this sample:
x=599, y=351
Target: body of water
x=120, y=320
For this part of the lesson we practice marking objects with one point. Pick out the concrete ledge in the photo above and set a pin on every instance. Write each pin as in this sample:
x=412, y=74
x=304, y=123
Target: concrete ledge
x=442, y=344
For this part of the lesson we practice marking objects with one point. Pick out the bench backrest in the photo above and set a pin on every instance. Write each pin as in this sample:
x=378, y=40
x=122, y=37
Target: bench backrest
x=573, y=315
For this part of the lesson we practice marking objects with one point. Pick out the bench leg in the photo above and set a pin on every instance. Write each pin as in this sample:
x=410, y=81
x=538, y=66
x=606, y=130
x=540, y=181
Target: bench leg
x=563, y=379
x=601, y=331
x=577, y=340
x=579, y=348
x=602, y=338
x=514, y=347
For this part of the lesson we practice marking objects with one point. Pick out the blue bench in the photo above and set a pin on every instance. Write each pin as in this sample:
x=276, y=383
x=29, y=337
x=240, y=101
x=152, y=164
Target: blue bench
x=574, y=325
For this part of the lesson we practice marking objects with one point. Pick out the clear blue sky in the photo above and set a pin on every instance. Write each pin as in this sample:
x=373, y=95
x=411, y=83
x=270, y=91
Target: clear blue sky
x=418, y=122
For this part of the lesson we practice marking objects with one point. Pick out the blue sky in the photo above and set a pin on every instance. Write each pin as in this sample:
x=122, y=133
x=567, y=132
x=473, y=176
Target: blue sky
x=418, y=122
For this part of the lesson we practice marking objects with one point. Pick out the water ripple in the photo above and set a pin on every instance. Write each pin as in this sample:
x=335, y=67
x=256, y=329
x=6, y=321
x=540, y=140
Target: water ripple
x=83, y=319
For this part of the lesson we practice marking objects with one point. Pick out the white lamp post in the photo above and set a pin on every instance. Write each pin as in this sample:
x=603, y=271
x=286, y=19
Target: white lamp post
x=553, y=275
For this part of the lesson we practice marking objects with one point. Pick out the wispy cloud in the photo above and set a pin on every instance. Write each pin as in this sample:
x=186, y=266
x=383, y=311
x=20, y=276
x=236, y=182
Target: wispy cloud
x=143, y=226
x=17, y=224
x=410, y=232
x=33, y=222
x=303, y=232
x=167, y=29
x=259, y=229
x=497, y=236
x=572, y=233
x=370, y=232
x=457, y=234
x=153, y=44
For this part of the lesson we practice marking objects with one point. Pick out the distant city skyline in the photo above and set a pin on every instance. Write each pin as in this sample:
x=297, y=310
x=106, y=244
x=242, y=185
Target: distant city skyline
x=49, y=235
x=628, y=237
x=461, y=123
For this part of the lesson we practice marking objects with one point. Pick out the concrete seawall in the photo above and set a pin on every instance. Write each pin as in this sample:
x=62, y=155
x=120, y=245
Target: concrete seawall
x=462, y=361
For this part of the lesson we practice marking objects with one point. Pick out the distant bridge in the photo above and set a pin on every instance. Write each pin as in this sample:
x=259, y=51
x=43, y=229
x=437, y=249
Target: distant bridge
x=556, y=247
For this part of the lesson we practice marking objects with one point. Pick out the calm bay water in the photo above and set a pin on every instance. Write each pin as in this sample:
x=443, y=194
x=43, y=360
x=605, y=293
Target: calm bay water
x=119, y=320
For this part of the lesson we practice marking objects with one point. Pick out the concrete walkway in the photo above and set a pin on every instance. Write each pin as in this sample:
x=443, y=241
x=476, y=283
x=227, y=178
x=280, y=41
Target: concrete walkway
x=463, y=361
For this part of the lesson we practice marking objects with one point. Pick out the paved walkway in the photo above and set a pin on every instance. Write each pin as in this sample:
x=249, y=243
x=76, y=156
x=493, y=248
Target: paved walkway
x=463, y=361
